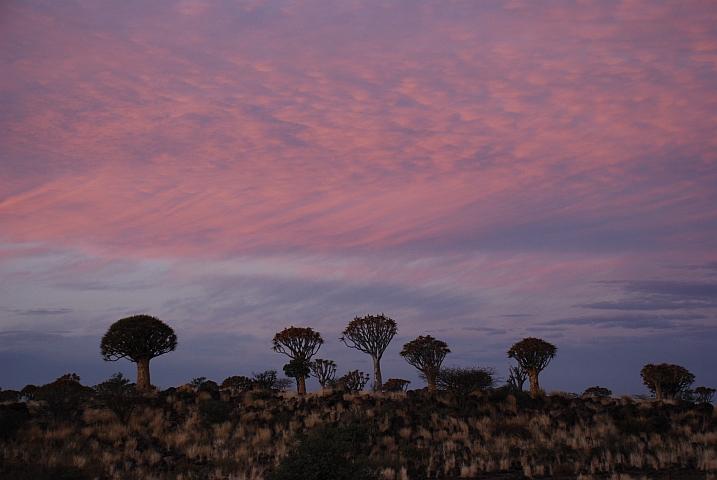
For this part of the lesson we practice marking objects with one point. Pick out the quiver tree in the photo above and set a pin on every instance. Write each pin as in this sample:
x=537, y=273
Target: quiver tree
x=298, y=344
x=297, y=369
x=666, y=380
x=139, y=338
x=426, y=354
x=533, y=355
x=324, y=371
x=371, y=334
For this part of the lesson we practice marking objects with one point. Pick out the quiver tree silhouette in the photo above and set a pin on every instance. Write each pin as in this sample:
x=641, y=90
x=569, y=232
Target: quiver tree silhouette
x=426, y=354
x=533, y=355
x=324, y=371
x=298, y=344
x=666, y=380
x=371, y=334
x=298, y=369
x=140, y=338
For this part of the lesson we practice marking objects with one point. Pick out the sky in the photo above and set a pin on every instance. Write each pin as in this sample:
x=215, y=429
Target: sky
x=481, y=172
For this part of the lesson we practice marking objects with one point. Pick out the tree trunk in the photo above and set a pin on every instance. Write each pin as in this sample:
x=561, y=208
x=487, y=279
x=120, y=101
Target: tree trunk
x=143, y=383
x=301, y=385
x=377, y=381
x=658, y=391
x=534, y=385
x=431, y=379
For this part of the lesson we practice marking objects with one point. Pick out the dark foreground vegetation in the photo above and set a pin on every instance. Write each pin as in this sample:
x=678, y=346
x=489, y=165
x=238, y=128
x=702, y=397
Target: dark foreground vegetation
x=240, y=431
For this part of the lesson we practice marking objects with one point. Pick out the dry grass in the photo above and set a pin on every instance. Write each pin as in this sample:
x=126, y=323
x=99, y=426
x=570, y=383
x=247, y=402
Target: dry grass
x=411, y=436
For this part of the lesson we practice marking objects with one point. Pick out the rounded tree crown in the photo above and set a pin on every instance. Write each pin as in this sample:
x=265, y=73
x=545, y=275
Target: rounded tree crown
x=137, y=338
x=671, y=378
x=533, y=353
x=425, y=352
x=297, y=342
x=370, y=334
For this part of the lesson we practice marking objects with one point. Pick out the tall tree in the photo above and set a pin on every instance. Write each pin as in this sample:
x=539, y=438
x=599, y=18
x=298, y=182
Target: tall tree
x=371, y=334
x=298, y=344
x=426, y=354
x=140, y=338
x=533, y=355
x=666, y=380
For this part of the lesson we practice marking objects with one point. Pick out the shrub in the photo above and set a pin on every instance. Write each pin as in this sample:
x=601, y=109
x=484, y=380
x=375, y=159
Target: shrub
x=65, y=398
x=328, y=453
x=460, y=382
x=354, y=381
x=12, y=417
x=268, y=381
x=598, y=392
x=238, y=382
x=396, y=385
x=119, y=395
x=704, y=394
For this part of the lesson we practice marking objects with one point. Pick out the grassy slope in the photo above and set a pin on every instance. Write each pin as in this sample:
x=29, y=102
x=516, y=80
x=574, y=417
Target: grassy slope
x=181, y=433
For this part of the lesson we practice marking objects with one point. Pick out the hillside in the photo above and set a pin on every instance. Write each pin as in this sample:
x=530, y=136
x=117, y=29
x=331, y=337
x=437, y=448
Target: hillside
x=190, y=432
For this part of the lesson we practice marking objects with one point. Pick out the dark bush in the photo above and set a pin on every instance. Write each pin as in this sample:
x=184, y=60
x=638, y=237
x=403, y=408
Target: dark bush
x=328, y=453
x=238, y=382
x=396, y=385
x=12, y=417
x=118, y=395
x=459, y=382
x=215, y=411
x=65, y=398
x=598, y=392
x=354, y=381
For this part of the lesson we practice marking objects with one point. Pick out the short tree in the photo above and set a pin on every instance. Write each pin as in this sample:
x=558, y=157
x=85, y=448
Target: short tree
x=324, y=371
x=119, y=395
x=268, y=380
x=238, y=382
x=139, y=338
x=298, y=344
x=396, y=385
x=460, y=382
x=354, y=381
x=597, y=392
x=426, y=354
x=516, y=377
x=666, y=380
x=298, y=369
x=533, y=355
x=704, y=394
x=371, y=334
x=65, y=398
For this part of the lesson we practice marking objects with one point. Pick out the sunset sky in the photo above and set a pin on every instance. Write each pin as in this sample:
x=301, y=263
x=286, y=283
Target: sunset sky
x=478, y=171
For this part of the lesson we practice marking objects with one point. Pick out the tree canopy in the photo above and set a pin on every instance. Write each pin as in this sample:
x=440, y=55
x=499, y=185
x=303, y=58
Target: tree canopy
x=300, y=344
x=139, y=338
x=426, y=354
x=533, y=355
x=371, y=334
x=666, y=380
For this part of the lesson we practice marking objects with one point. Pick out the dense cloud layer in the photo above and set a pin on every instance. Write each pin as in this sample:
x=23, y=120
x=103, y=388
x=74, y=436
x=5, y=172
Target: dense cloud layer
x=482, y=171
